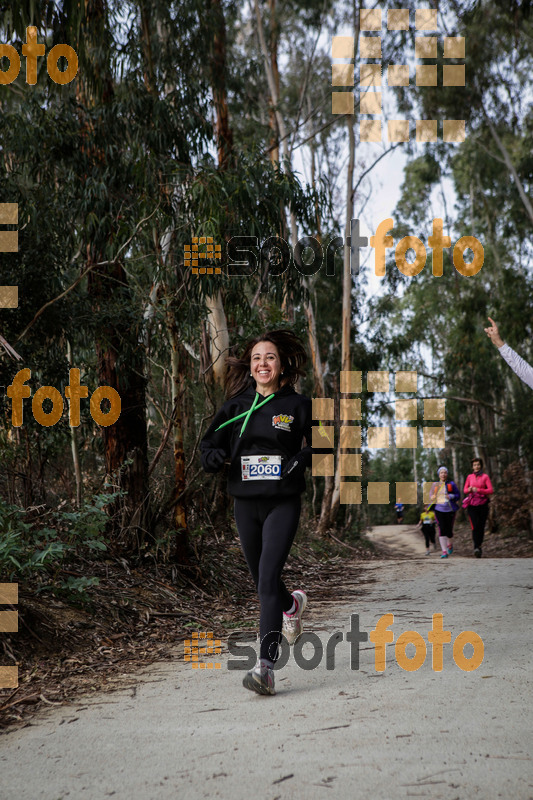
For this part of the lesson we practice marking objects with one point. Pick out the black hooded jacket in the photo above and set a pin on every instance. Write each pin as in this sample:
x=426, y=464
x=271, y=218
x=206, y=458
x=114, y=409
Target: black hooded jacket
x=277, y=428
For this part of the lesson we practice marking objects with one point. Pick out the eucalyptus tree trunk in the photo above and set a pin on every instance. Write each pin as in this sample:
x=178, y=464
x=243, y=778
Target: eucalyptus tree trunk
x=329, y=515
x=217, y=325
x=125, y=442
x=179, y=508
x=274, y=38
x=526, y=202
x=318, y=371
x=164, y=241
x=74, y=445
x=331, y=499
x=120, y=362
x=270, y=62
x=177, y=378
x=146, y=39
x=217, y=328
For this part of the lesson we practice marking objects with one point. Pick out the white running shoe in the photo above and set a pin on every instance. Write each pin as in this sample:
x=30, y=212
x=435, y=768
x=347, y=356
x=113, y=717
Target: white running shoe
x=292, y=624
x=260, y=679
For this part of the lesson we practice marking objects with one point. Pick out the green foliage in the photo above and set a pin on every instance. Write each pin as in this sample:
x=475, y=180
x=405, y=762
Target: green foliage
x=24, y=550
x=121, y=168
x=435, y=325
x=28, y=549
x=77, y=585
x=420, y=176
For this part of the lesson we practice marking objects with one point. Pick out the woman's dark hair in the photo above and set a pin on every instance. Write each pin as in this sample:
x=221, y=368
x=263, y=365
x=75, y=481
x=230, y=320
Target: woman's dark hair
x=477, y=458
x=291, y=353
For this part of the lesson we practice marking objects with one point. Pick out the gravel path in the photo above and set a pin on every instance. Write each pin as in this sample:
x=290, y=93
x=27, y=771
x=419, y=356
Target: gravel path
x=174, y=732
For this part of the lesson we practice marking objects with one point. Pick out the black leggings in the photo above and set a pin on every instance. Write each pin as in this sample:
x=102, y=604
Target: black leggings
x=445, y=520
x=478, y=518
x=429, y=534
x=266, y=530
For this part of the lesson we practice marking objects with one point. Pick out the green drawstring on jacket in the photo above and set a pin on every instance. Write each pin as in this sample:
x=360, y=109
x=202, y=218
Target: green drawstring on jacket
x=254, y=407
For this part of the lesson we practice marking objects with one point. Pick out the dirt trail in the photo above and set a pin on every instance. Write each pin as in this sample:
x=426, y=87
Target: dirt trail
x=399, y=540
x=174, y=732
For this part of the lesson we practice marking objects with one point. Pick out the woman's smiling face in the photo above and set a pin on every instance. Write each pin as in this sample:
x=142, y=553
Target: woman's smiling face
x=265, y=366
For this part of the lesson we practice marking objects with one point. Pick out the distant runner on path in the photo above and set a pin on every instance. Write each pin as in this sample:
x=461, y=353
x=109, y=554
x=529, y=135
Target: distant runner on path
x=478, y=490
x=443, y=496
x=399, y=511
x=517, y=364
x=428, y=523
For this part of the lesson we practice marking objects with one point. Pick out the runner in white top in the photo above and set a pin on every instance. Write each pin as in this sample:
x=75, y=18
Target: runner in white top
x=517, y=364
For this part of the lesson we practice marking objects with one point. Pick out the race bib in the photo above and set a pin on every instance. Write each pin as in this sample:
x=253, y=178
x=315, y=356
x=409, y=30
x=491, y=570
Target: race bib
x=260, y=468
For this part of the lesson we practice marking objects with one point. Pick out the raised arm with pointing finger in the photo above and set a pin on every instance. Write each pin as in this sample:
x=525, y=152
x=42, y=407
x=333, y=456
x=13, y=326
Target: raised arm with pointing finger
x=517, y=364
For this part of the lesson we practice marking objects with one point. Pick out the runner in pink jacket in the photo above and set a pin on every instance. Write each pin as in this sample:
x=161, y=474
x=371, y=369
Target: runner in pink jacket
x=477, y=491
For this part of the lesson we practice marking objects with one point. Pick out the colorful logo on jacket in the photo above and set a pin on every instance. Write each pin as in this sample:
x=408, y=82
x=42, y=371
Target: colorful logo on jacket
x=282, y=421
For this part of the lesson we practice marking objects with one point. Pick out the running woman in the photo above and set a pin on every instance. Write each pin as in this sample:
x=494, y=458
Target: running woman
x=260, y=429
x=444, y=495
x=478, y=490
x=427, y=523
x=517, y=364
x=398, y=507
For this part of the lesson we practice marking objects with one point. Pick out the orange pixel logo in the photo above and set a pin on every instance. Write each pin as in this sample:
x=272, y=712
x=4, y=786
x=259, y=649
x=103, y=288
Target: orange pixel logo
x=372, y=74
x=378, y=437
x=9, y=243
x=192, y=649
x=192, y=255
x=9, y=623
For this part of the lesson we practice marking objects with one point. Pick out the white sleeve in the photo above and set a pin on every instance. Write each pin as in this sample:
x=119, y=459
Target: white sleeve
x=517, y=364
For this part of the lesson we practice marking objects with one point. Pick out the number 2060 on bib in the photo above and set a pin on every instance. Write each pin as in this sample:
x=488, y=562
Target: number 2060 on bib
x=261, y=468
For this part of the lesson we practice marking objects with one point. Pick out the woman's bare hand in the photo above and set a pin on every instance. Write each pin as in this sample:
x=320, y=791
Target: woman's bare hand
x=493, y=334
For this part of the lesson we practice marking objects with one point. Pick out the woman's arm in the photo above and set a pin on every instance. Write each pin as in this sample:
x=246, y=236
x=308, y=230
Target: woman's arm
x=494, y=334
x=517, y=364
x=453, y=491
x=215, y=445
x=303, y=458
x=487, y=488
